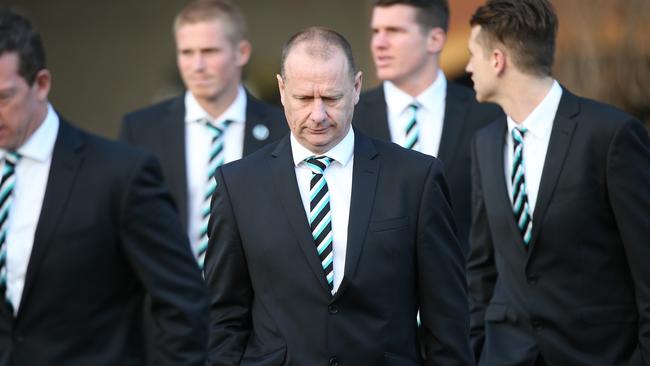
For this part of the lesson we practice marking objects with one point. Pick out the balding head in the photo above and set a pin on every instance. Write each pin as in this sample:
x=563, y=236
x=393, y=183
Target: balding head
x=320, y=43
x=318, y=88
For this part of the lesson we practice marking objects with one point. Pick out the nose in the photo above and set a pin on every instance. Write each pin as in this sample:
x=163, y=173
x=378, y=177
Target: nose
x=379, y=40
x=199, y=61
x=318, y=111
x=468, y=67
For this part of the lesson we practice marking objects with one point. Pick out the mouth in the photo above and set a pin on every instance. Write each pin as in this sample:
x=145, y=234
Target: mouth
x=318, y=131
x=382, y=61
x=200, y=81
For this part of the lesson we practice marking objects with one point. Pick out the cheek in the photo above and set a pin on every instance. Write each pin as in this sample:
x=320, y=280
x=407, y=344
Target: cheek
x=224, y=64
x=184, y=66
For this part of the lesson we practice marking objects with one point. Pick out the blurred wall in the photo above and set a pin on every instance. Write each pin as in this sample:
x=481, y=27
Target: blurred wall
x=110, y=57
x=604, y=52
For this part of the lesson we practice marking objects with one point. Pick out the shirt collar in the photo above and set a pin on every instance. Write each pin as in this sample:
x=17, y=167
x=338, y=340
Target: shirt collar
x=40, y=144
x=398, y=101
x=341, y=153
x=540, y=121
x=236, y=112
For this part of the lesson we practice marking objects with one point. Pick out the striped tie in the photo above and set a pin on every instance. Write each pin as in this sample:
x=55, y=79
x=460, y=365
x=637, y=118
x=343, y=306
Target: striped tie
x=519, y=197
x=7, y=184
x=320, y=216
x=215, y=160
x=412, y=130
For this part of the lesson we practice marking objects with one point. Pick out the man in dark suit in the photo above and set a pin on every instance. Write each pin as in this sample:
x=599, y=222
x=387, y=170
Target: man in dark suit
x=86, y=230
x=324, y=245
x=416, y=107
x=558, y=267
x=216, y=120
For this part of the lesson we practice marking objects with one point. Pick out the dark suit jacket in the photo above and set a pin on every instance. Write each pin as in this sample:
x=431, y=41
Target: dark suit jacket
x=270, y=304
x=160, y=129
x=463, y=117
x=581, y=292
x=107, y=234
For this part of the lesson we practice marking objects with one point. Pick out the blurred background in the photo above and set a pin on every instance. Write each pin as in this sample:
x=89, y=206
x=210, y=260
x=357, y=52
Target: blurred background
x=110, y=57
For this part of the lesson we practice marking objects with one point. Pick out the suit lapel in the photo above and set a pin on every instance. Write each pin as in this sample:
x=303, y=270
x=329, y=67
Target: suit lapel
x=172, y=133
x=66, y=161
x=255, y=118
x=284, y=176
x=373, y=117
x=495, y=191
x=453, y=125
x=364, y=184
x=558, y=146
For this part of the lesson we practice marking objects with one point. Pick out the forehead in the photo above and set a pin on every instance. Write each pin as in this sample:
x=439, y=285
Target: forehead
x=215, y=31
x=304, y=68
x=475, y=39
x=8, y=67
x=398, y=14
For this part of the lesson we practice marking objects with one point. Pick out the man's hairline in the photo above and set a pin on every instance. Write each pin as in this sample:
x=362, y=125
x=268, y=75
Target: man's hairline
x=316, y=55
x=228, y=28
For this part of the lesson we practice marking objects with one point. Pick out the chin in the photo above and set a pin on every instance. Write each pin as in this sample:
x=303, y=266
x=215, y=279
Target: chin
x=385, y=75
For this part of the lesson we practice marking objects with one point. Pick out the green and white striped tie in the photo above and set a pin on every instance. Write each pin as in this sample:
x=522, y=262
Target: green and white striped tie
x=320, y=215
x=520, y=206
x=412, y=130
x=215, y=160
x=7, y=184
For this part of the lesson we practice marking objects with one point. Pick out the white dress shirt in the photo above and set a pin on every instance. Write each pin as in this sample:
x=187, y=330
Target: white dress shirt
x=539, y=124
x=430, y=114
x=31, y=180
x=339, y=183
x=197, y=149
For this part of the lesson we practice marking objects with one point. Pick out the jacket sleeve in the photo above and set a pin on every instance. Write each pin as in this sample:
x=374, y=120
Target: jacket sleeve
x=628, y=185
x=442, y=284
x=228, y=282
x=481, y=269
x=160, y=255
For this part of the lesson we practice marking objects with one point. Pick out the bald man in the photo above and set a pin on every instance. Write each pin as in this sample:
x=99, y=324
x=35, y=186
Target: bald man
x=330, y=261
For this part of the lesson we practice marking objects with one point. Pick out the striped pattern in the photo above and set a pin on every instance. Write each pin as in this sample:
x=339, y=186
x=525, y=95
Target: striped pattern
x=520, y=205
x=320, y=215
x=413, y=130
x=7, y=184
x=215, y=160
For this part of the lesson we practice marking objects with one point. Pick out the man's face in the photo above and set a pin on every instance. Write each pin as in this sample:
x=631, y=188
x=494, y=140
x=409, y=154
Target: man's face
x=209, y=63
x=318, y=98
x=400, y=49
x=479, y=66
x=22, y=106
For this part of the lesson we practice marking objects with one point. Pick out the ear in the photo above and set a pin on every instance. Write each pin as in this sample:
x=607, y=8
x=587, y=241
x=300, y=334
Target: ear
x=498, y=60
x=244, y=50
x=358, y=78
x=281, y=88
x=42, y=84
x=436, y=39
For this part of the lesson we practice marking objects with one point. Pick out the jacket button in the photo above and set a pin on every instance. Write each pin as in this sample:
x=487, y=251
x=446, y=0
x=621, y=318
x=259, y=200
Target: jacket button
x=532, y=281
x=333, y=309
x=334, y=361
x=538, y=325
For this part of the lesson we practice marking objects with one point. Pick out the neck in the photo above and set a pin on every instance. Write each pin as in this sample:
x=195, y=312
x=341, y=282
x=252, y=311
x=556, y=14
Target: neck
x=416, y=83
x=217, y=105
x=37, y=121
x=523, y=94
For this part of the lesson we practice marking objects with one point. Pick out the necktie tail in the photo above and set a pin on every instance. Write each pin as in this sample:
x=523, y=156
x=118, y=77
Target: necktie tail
x=320, y=215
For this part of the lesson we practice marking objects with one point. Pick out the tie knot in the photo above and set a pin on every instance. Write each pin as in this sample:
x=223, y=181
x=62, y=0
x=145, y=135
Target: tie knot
x=12, y=157
x=518, y=133
x=317, y=164
x=217, y=128
x=414, y=106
